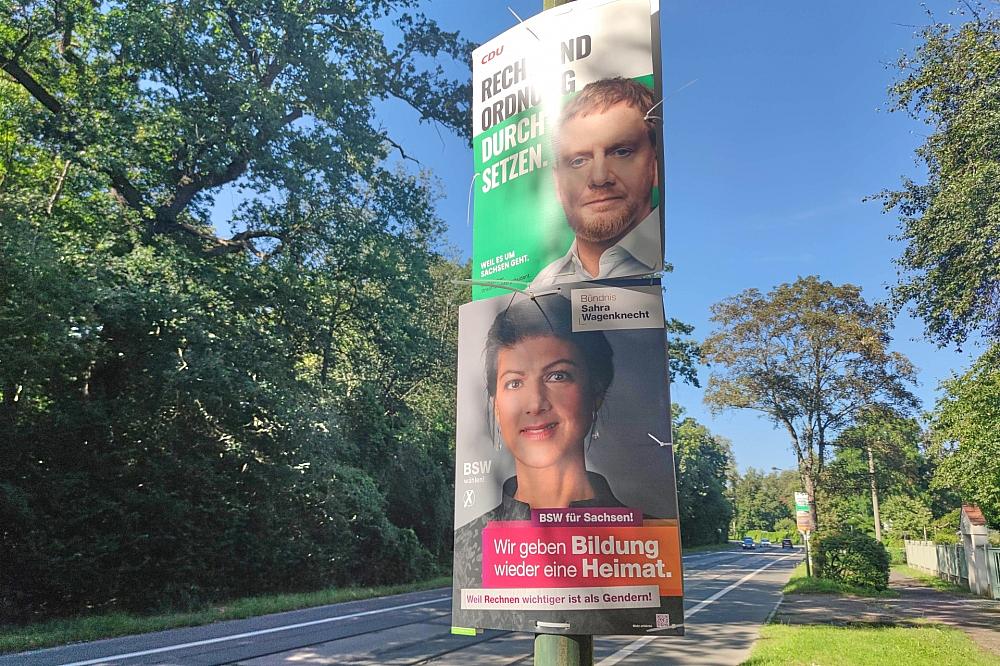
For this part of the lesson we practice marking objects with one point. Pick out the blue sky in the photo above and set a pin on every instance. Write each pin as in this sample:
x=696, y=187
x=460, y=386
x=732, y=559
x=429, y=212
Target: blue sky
x=769, y=155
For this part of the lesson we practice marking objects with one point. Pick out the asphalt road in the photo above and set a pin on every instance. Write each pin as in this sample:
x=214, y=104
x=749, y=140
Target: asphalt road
x=728, y=595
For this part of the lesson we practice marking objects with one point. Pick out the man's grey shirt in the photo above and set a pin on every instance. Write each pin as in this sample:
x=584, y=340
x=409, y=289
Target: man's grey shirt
x=638, y=253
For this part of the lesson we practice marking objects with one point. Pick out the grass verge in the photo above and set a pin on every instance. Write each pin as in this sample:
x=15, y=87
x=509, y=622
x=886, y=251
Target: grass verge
x=818, y=645
x=94, y=627
x=930, y=580
x=709, y=548
x=800, y=583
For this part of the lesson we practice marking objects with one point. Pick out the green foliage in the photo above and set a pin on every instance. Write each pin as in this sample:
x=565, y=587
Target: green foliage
x=905, y=517
x=950, y=224
x=852, y=558
x=945, y=529
x=761, y=500
x=800, y=583
x=810, y=355
x=894, y=441
x=188, y=416
x=897, y=554
x=787, y=526
x=965, y=436
x=775, y=535
x=702, y=461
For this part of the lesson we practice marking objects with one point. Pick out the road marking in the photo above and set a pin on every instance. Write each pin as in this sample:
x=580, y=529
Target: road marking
x=248, y=634
x=639, y=643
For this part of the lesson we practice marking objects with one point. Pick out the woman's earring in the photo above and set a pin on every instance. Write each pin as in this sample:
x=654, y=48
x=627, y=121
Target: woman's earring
x=594, y=433
x=497, y=437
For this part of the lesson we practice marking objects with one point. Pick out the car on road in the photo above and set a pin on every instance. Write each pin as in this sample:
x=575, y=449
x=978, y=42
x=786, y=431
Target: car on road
x=786, y=543
x=748, y=543
x=765, y=543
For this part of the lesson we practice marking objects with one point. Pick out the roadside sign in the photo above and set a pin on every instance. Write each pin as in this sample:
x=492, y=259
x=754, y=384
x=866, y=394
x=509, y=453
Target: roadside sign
x=803, y=513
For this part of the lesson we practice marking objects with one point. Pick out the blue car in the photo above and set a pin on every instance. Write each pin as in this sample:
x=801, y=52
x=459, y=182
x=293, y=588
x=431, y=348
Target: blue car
x=748, y=543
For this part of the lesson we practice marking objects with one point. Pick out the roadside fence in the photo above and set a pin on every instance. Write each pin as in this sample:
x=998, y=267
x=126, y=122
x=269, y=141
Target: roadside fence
x=951, y=562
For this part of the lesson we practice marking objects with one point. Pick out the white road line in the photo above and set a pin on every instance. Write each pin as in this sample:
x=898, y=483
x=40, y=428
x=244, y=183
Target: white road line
x=248, y=634
x=639, y=643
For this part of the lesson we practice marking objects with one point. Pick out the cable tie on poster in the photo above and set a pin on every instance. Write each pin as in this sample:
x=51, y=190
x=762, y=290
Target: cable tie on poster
x=551, y=625
x=499, y=284
x=505, y=284
x=648, y=115
x=521, y=20
x=653, y=437
x=468, y=205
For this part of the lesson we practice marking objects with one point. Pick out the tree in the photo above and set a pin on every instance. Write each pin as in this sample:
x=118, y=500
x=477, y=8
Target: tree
x=228, y=410
x=891, y=440
x=965, y=437
x=950, y=267
x=810, y=355
x=167, y=102
x=762, y=500
x=702, y=461
x=906, y=517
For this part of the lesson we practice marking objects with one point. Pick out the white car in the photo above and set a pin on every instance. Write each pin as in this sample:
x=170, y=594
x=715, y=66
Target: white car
x=765, y=543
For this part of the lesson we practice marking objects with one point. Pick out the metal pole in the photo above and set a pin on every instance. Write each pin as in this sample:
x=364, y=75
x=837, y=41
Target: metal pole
x=805, y=536
x=558, y=649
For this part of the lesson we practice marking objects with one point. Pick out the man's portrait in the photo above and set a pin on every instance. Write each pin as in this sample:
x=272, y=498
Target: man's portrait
x=605, y=170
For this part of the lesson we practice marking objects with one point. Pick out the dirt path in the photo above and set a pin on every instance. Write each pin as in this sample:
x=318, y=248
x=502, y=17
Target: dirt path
x=916, y=605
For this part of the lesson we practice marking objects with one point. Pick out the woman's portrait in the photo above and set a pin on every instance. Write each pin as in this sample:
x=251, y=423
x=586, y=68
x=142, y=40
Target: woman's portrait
x=546, y=386
x=562, y=418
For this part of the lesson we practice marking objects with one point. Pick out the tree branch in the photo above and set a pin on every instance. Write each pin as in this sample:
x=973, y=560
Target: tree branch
x=58, y=190
x=399, y=148
x=241, y=38
x=184, y=194
x=34, y=88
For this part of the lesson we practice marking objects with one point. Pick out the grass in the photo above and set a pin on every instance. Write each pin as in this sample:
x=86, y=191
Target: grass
x=819, y=645
x=799, y=583
x=89, y=628
x=931, y=580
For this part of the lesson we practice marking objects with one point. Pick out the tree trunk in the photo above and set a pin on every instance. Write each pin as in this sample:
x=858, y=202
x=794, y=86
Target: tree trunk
x=871, y=480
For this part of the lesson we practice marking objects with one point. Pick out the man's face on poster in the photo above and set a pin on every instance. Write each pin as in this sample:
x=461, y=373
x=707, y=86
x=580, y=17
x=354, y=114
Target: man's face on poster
x=605, y=171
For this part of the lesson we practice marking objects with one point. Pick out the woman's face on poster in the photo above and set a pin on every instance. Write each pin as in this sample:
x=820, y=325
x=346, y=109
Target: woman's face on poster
x=544, y=404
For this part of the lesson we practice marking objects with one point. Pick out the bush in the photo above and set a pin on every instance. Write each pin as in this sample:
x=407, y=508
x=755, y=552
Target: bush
x=774, y=535
x=897, y=555
x=852, y=558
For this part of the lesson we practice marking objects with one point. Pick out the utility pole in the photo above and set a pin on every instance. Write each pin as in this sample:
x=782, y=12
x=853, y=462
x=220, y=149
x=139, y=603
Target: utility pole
x=560, y=649
x=871, y=480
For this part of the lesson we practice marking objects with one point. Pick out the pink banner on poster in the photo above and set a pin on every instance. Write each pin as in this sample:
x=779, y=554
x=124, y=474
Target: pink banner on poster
x=517, y=555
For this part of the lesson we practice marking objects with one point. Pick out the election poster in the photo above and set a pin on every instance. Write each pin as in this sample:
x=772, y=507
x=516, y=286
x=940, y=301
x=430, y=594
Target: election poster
x=566, y=516
x=567, y=145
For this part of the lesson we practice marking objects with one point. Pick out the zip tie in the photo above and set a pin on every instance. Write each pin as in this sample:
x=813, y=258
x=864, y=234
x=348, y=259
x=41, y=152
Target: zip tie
x=649, y=117
x=505, y=284
x=521, y=20
x=488, y=283
x=468, y=206
x=653, y=437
